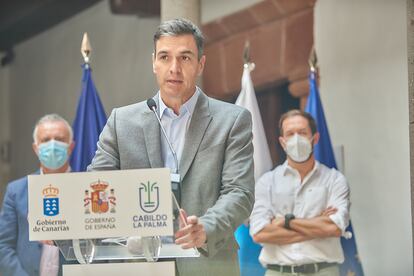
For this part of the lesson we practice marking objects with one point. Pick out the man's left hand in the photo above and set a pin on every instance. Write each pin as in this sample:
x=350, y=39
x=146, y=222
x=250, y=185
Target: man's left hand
x=280, y=221
x=46, y=242
x=191, y=233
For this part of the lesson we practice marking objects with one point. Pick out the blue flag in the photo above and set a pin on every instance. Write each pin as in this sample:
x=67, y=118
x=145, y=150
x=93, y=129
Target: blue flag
x=249, y=252
x=88, y=124
x=324, y=153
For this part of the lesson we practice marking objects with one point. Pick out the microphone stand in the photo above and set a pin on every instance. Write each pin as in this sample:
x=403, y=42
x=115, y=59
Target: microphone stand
x=175, y=176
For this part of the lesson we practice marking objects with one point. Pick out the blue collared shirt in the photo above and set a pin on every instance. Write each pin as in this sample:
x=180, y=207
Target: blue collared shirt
x=176, y=127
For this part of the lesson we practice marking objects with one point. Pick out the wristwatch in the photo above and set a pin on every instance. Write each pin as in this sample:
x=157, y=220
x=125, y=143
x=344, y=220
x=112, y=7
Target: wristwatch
x=288, y=218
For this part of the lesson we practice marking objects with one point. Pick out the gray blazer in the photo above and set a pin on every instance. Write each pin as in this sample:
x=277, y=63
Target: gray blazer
x=216, y=169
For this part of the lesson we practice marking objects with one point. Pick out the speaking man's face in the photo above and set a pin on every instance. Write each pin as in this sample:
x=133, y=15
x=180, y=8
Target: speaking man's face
x=176, y=66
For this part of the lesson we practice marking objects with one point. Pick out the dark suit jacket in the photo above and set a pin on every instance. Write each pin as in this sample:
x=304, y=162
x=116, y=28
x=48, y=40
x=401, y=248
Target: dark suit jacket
x=18, y=255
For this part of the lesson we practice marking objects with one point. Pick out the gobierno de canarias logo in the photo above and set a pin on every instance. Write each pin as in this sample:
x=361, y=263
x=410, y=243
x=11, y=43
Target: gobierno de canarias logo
x=50, y=201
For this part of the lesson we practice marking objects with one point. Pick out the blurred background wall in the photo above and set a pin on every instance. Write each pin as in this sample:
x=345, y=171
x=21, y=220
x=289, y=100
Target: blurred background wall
x=362, y=47
x=362, y=50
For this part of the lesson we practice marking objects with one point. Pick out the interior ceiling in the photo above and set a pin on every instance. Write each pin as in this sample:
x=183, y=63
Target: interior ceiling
x=23, y=19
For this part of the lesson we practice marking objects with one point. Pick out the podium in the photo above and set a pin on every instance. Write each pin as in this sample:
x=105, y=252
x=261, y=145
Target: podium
x=91, y=250
x=109, y=216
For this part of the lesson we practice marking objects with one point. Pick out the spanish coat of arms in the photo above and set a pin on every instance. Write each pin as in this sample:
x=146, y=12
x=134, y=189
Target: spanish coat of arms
x=102, y=200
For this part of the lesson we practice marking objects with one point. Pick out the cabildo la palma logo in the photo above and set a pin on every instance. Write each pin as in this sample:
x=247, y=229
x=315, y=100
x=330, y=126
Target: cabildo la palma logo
x=102, y=200
x=149, y=197
x=149, y=201
x=50, y=201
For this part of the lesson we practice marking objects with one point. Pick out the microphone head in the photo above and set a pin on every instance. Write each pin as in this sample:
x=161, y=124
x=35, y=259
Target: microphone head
x=135, y=246
x=151, y=104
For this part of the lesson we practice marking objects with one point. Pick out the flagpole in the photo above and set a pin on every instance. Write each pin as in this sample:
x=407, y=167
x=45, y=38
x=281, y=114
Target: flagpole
x=86, y=49
x=313, y=60
x=324, y=153
x=89, y=106
x=249, y=251
x=246, y=57
x=90, y=116
x=246, y=52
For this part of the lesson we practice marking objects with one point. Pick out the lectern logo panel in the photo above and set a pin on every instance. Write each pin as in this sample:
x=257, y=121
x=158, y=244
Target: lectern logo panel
x=149, y=197
x=50, y=201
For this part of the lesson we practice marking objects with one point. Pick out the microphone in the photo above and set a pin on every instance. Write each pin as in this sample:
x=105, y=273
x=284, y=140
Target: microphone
x=150, y=247
x=134, y=245
x=175, y=177
x=153, y=106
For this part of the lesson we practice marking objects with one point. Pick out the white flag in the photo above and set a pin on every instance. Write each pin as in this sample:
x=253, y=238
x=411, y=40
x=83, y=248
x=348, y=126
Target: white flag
x=247, y=99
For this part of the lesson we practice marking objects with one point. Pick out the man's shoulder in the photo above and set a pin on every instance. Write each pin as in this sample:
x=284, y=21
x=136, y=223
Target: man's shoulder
x=329, y=171
x=268, y=176
x=19, y=182
x=135, y=109
x=279, y=168
x=17, y=185
x=225, y=109
x=331, y=175
x=220, y=105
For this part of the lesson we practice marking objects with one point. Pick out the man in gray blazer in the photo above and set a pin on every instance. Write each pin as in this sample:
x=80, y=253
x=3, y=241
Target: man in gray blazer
x=213, y=141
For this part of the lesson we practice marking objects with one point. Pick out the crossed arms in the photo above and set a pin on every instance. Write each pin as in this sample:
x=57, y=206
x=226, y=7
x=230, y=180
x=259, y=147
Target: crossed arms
x=300, y=229
x=267, y=220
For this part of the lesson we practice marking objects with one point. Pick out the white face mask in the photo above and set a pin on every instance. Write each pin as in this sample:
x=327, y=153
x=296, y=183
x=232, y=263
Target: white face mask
x=298, y=148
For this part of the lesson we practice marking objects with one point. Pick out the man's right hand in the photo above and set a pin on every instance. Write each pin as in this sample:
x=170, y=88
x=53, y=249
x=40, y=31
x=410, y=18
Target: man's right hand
x=329, y=211
x=318, y=227
x=48, y=242
x=191, y=233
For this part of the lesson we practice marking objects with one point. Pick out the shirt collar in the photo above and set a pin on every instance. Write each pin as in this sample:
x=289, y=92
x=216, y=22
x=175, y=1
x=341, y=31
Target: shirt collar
x=286, y=168
x=188, y=106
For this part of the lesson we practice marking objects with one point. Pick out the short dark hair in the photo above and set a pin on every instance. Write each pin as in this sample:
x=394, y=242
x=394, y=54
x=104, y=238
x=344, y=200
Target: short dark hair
x=177, y=27
x=297, y=112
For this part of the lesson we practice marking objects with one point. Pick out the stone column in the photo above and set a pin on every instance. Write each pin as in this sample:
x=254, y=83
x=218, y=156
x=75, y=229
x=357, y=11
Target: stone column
x=410, y=55
x=189, y=9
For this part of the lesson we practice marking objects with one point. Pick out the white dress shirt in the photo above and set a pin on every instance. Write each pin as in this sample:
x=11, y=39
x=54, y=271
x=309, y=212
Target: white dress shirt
x=176, y=127
x=49, y=261
x=280, y=192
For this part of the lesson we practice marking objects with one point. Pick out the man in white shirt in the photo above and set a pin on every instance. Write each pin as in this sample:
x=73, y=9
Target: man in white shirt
x=301, y=208
x=53, y=145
